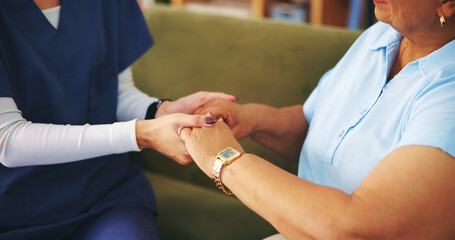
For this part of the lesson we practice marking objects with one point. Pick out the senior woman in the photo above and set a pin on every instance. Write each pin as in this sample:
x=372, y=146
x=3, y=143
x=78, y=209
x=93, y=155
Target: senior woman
x=378, y=137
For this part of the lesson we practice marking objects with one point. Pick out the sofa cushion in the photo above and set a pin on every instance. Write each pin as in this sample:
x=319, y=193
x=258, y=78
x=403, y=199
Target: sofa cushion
x=263, y=61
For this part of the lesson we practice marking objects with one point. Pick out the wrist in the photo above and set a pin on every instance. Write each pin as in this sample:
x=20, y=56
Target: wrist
x=156, y=109
x=163, y=108
x=251, y=116
x=144, y=136
x=223, y=161
x=140, y=134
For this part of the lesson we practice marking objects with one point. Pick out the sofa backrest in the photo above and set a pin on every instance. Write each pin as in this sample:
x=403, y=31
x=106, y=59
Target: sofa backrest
x=264, y=61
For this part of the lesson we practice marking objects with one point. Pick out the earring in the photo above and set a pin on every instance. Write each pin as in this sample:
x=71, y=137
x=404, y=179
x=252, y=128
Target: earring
x=442, y=19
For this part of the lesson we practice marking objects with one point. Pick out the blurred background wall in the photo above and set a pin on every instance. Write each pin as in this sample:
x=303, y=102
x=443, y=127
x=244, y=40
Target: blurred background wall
x=352, y=14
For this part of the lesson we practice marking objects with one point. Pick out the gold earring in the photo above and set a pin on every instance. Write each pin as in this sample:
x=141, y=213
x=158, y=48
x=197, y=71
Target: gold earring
x=442, y=19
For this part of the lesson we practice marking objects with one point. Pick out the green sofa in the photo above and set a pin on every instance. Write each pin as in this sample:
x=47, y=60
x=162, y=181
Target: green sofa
x=264, y=61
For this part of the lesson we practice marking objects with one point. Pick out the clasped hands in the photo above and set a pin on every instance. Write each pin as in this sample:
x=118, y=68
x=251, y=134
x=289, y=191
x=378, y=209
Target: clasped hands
x=195, y=127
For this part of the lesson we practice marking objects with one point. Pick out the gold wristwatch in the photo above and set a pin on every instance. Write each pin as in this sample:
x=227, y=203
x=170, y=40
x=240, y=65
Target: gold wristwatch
x=225, y=157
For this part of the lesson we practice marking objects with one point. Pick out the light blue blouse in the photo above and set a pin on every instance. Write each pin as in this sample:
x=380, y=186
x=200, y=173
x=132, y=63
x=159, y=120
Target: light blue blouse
x=356, y=118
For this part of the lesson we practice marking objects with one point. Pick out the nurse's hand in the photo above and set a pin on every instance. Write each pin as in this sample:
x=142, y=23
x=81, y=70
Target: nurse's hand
x=242, y=119
x=203, y=144
x=190, y=103
x=161, y=134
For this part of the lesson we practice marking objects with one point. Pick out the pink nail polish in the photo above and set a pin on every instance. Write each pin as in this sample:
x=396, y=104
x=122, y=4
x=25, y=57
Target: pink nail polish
x=210, y=120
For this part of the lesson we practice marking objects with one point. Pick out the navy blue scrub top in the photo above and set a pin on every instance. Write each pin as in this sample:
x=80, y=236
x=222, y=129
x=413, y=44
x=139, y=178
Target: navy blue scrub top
x=68, y=75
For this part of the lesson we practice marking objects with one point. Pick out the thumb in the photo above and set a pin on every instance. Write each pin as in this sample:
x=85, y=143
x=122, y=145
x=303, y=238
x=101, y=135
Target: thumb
x=184, y=134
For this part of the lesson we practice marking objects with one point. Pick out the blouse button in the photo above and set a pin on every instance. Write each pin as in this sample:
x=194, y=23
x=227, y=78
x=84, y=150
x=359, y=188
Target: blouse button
x=341, y=133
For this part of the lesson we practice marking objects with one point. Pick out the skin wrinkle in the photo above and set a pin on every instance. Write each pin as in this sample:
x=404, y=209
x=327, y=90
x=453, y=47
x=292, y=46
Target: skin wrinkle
x=418, y=22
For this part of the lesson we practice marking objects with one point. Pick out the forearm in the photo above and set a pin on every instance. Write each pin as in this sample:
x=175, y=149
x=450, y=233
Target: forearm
x=282, y=130
x=407, y=195
x=23, y=143
x=295, y=207
x=397, y=200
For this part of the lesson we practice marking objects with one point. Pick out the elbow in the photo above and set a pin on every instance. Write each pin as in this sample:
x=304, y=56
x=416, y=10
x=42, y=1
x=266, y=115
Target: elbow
x=370, y=225
x=6, y=158
x=355, y=221
x=10, y=150
x=9, y=157
x=8, y=161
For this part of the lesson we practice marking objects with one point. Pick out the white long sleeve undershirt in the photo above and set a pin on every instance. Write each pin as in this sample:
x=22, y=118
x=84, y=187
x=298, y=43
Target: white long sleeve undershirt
x=23, y=143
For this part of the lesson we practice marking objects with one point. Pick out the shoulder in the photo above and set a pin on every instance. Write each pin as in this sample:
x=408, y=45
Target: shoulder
x=447, y=73
x=441, y=82
x=431, y=117
x=438, y=92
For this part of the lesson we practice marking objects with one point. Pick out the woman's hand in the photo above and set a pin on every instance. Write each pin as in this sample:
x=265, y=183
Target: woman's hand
x=240, y=118
x=161, y=134
x=269, y=126
x=203, y=144
x=190, y=103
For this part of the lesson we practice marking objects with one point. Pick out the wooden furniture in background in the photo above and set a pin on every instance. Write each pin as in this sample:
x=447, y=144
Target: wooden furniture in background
x=322, y=12
x=257, y=7
x=329, y=12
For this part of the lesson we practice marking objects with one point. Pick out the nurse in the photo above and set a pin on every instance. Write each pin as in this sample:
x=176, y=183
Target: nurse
x=69, y=111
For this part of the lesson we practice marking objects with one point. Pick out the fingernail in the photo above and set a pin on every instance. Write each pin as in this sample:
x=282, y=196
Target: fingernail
x=210, y=120
x=236, y=98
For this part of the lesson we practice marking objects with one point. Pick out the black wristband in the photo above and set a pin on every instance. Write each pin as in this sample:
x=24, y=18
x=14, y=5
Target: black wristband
x=151, y=110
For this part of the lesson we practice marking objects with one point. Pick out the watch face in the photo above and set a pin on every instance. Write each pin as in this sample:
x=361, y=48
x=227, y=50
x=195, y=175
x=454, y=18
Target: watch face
x=228, y=155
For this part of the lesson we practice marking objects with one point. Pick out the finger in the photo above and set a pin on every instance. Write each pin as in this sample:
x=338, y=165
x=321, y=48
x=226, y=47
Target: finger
x=218, y=118
x=179, y=131
x=221, y=95
x=186, y=160
x=202, y=110
x=182, y=159
x=222, y=124
x=207, y=96
x=216, y=111
x=185, y=134
x=196, y=121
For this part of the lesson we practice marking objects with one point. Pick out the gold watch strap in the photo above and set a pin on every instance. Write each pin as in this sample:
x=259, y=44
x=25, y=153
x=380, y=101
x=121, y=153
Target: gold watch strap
x=217, y=167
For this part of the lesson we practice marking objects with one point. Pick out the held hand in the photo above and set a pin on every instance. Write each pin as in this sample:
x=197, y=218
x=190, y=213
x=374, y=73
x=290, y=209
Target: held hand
x=190, y=103
x=240, y=118
x=161, y=134
x=203, y=144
